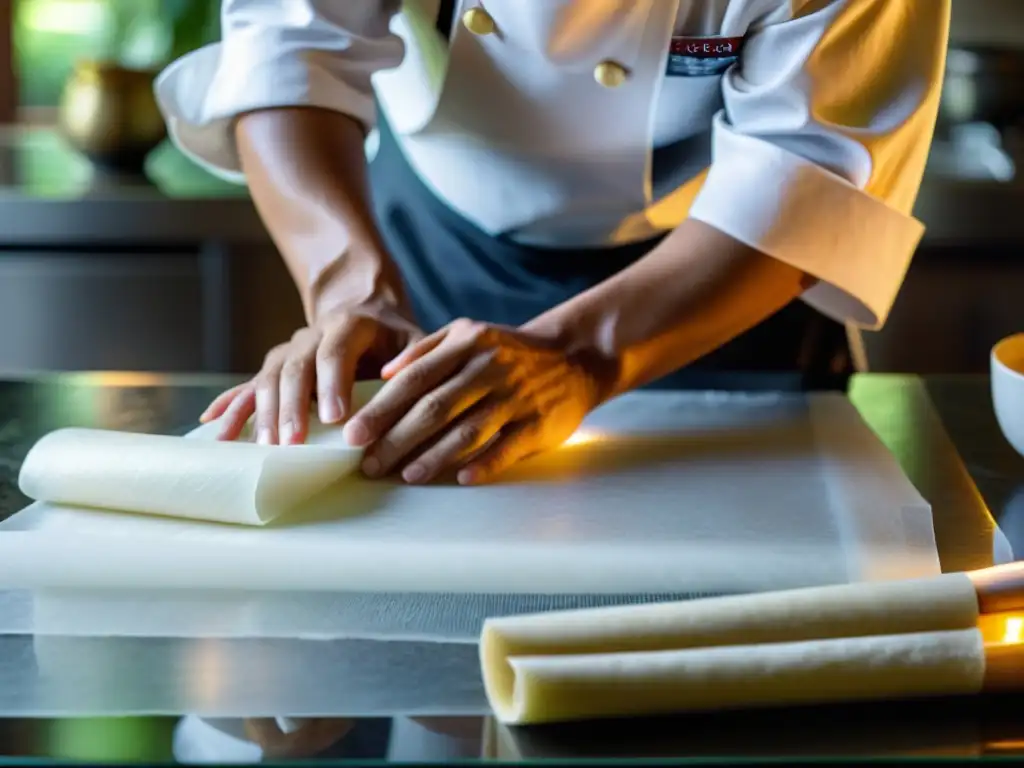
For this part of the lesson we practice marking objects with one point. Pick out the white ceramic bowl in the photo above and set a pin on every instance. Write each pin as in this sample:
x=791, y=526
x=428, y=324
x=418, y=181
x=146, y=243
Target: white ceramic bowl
x=1007, y=367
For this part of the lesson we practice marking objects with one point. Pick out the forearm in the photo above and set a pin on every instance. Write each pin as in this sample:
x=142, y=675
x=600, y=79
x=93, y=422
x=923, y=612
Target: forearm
x=306, y=170
x=697, y=290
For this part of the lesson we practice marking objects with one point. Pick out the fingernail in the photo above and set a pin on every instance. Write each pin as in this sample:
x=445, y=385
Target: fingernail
x=371, y=466
x=263, y=436
x=414, y=473
x=286, y=432
x=466, y=477
x=330, y=409
x=357, y=433
x=204, y=417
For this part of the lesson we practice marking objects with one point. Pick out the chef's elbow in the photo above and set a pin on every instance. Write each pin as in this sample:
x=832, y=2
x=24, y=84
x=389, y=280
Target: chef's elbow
x=257, y=68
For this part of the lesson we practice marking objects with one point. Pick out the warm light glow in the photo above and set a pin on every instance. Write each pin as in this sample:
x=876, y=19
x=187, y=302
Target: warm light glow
x=206, y=670
x=1013, y=630
x=123, y=379
x=1002, y=628
x=1014, y=746
x=582, y=437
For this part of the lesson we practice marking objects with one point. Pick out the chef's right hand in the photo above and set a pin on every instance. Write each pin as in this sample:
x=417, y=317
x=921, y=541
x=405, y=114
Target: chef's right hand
x=325, y=359
x=306, y=738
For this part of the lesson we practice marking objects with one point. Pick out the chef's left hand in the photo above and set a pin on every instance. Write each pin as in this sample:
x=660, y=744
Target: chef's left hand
x=474, y=397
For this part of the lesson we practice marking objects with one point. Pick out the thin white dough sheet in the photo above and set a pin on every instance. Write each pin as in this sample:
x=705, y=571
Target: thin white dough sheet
x=660, y=493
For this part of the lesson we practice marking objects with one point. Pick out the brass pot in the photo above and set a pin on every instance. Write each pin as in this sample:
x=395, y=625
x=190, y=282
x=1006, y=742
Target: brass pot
x=110, y=115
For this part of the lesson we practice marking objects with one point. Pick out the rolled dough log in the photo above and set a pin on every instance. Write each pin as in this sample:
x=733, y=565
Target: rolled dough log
x=947, y=602
x=560, y=688
x=227, y=482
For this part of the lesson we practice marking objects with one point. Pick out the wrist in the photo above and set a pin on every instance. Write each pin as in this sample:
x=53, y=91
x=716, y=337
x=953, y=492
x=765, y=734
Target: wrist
x=579, y=335
x=357, y=277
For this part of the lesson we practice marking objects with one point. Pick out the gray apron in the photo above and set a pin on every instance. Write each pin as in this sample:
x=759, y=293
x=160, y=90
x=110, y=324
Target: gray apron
x=452, y=269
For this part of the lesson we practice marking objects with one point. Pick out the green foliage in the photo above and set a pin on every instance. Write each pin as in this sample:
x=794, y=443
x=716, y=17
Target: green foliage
x=193, y=23
x=185, y=24
x=50, y=35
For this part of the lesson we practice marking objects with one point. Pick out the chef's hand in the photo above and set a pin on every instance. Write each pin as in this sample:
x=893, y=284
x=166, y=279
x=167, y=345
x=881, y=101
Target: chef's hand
x=309, y=737
x=474, y=397
x=325, y=358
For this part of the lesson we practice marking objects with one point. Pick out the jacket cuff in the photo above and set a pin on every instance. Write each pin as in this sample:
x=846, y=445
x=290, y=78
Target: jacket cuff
x=203, y=93
x=795, y=211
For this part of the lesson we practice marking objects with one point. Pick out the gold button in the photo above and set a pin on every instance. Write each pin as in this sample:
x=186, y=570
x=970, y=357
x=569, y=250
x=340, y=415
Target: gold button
x=610, y=74
x=478, y=21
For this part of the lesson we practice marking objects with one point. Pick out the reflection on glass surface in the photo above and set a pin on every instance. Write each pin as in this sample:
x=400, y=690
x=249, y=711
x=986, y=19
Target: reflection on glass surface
x=402, y=739
x=583, y=437
x=906, y=731
x=120, y=379
x=1013, y=629
x=129, y=739
x=1012, y=519
x=132, y=410
x=206, y=665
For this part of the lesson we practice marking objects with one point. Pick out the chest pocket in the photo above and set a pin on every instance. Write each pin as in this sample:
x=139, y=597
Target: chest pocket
x=691, y=92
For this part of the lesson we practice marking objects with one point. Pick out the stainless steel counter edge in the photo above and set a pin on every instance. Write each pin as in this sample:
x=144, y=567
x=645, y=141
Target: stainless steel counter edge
x=954, y=212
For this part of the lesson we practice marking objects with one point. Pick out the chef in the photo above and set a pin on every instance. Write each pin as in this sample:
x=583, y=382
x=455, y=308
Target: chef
x=514, y=210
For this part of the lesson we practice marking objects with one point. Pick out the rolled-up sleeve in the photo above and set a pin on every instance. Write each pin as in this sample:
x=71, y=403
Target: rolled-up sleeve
x=276, y=53
x=820, y=151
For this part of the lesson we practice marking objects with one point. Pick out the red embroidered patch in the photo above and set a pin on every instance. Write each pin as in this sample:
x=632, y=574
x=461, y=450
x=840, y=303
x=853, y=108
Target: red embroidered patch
x=702, y=56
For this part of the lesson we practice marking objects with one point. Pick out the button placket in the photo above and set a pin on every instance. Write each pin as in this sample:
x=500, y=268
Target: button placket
x=478, y=21
x=610, y=74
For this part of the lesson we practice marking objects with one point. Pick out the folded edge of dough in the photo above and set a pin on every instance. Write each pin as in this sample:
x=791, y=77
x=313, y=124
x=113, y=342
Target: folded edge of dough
x=947, y=602
x=562, y=688
x=228, y=482
x=294, y=474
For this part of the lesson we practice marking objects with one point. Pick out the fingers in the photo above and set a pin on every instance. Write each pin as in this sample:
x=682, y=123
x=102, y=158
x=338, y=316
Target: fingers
x=234, y=419
x=337, y=357
x=413, y=352
x=407, y=388
x=220, y=404
x=433, y=414
x=515, y=444
x=268, y=395
x=280, y=394
x=471, y=433
x=295, y=388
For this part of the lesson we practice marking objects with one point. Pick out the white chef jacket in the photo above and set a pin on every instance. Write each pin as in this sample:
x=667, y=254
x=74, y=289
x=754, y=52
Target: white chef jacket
x=810, y=148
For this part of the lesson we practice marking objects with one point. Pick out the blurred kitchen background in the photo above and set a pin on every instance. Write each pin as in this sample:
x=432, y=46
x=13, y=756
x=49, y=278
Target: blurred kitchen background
x=117, y=254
